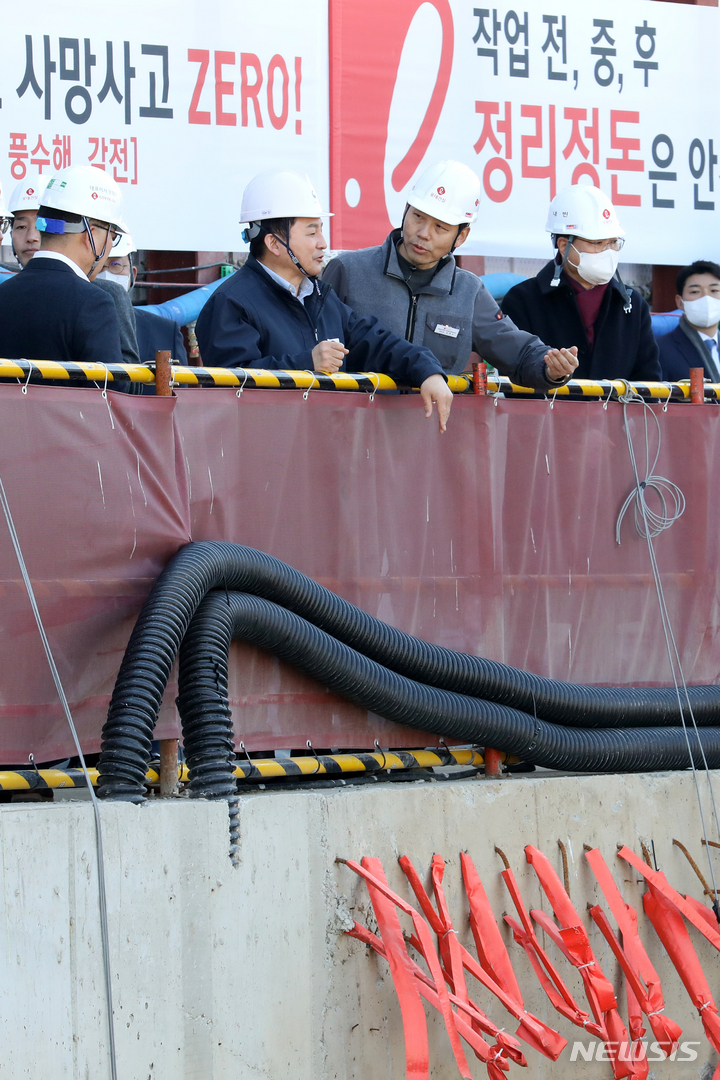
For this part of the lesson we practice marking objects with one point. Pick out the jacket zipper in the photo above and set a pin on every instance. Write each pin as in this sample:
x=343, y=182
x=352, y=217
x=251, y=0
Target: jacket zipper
x=307, y=315
x=412, y=314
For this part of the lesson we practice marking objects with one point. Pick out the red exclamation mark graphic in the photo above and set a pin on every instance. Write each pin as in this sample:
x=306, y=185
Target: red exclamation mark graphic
x=298, y=83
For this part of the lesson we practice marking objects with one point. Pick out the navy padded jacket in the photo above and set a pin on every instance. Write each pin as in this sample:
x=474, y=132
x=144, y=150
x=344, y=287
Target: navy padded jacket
x=252, y=321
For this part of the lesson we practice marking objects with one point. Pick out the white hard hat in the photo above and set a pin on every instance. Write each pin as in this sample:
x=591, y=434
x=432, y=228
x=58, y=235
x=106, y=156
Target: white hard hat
x=583, y=210
x=124, y=246
x=26, y=195
x=88, y=192
x=280, y=193
x=448, y=191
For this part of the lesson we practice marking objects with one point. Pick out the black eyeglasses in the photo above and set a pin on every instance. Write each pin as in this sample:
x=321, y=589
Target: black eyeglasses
x=113, y=235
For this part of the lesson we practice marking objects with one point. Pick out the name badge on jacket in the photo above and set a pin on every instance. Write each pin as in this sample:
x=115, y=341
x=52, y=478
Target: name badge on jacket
x=447, y=331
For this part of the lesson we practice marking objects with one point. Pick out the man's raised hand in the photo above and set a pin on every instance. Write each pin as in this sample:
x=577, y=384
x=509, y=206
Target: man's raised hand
x=328, y=356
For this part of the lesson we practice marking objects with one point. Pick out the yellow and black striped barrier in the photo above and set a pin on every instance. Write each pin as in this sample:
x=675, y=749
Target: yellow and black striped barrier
x=602, y=390
x=42, y=371
x=367, y=382
x=260, y=769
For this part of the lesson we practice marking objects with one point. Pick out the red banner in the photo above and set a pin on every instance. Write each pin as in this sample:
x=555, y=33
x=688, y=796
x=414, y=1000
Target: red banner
x=496, y=538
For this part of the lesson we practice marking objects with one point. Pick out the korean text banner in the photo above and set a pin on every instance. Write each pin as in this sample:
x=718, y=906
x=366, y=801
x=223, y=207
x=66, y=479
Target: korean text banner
x=533, y=98
x=181, y=102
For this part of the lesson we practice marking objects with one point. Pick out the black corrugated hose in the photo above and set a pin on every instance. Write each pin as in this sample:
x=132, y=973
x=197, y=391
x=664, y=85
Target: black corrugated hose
x=512, y=698
x=222, y=616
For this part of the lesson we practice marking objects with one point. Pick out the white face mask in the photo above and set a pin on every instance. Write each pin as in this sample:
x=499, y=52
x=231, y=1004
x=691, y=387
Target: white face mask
x=597, y=267
x=705, y=311
x=119, y=279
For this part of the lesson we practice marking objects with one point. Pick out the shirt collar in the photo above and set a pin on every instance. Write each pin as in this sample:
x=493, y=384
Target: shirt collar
x=306, y=286
x=61, y=258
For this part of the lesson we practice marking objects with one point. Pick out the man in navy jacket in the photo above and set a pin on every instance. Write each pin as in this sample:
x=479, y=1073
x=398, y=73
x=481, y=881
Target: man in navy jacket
x=51, y=311
x=156, y=332
x=694, y=341
x=273, y=313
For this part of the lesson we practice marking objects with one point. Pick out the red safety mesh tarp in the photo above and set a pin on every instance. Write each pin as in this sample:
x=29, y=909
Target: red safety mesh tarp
x=495, y=538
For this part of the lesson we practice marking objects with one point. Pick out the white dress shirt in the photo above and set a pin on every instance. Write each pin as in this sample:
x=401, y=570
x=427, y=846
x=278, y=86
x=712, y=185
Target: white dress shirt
x=61, y=258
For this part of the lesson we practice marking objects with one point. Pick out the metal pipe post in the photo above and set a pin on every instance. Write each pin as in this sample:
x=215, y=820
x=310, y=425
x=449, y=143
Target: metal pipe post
x=168, y=767
x=163, y=373
x=697, y=385
x=493, y=763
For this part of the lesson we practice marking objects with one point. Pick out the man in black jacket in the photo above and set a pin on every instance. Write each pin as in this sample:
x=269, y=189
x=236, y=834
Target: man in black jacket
x=51, y=311
x=273, y=313
x=694, y=341
x=580, y=297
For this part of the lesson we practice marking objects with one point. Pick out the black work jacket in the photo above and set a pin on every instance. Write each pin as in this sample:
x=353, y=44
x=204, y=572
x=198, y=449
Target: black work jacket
x=624, y=346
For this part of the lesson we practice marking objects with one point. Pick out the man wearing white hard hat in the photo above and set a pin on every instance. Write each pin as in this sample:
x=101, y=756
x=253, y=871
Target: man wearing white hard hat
x=113, y=275
x=24, y=205
x=274, y=313
x=415, y=287
x=581, y=294
x=51, y=311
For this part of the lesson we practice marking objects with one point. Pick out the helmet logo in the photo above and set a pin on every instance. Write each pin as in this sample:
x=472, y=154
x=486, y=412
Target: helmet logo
x=606, y=214
x=30, y=191
x=94, y=195
x=441, y=191
x=477, y=202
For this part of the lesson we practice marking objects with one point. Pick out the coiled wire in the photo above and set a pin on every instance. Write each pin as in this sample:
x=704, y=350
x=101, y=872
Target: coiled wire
x=648, y=523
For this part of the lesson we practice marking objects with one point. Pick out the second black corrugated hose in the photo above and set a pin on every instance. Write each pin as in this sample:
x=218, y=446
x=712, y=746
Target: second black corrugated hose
x=202, y=699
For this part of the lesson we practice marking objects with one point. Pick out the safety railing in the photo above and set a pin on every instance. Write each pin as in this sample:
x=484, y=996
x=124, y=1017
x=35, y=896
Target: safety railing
x=78, y=374
x=261, y=769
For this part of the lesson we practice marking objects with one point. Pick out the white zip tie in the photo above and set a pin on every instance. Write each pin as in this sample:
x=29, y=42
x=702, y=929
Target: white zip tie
x=238, y=393
x=30, y=371
x=310, y=387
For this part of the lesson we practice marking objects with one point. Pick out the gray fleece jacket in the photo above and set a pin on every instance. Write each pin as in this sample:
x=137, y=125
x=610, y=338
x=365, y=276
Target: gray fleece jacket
x=452, y=316
x=126, y=319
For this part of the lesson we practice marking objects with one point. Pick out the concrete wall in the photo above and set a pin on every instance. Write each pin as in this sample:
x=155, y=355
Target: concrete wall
x=243, y=973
